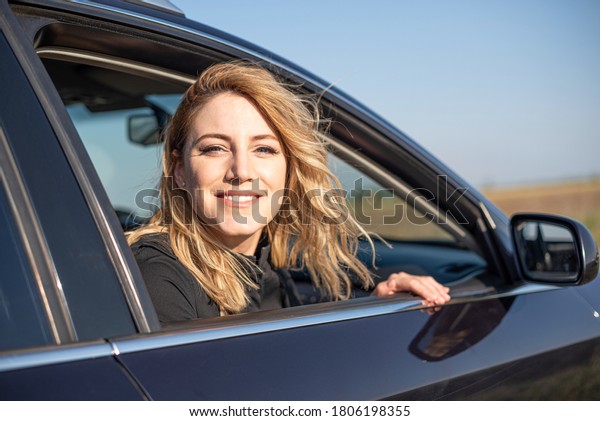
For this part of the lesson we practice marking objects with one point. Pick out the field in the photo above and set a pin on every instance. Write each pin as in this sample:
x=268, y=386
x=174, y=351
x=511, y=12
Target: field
x=578, y=200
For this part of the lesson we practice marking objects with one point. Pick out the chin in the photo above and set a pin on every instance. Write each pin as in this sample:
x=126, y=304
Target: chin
x=236, y=230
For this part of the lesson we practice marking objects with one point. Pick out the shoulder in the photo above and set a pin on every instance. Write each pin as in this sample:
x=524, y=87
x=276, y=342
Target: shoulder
x=175, y=292
x=160, y=266
x=153, y=245
x=156, y=259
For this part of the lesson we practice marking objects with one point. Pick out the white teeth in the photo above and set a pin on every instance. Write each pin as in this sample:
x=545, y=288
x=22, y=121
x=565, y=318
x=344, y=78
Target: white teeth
x=239, y=198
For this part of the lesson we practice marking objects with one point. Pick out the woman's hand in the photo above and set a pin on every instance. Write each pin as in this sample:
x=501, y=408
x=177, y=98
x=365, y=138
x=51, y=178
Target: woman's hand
x=432, y=292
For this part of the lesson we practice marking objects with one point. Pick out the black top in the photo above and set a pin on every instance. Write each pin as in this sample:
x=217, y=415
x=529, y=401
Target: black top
x=177, y=295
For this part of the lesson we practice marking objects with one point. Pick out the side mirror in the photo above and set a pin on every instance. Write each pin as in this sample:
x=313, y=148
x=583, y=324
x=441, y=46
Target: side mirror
x=554, y=250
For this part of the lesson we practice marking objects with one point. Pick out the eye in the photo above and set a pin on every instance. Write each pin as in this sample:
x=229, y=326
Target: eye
x=212, y=150
x=266, y=150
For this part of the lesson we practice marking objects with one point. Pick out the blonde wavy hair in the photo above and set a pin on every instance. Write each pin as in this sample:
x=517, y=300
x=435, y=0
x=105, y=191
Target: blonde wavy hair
x=313, y=228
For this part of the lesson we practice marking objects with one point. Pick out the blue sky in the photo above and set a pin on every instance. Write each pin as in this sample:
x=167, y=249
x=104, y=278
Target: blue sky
x=505, y=92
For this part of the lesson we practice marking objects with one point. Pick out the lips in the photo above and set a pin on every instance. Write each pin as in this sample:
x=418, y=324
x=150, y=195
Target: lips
x=238, y=197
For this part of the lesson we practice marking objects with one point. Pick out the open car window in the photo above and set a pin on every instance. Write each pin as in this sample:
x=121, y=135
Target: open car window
x=119, y=112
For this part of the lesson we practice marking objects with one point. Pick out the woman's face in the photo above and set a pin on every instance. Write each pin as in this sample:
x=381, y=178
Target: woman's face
x=234, y=167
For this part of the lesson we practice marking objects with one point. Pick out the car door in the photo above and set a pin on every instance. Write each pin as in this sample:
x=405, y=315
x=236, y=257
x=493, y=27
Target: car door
x=499, y=338
x=498, y=347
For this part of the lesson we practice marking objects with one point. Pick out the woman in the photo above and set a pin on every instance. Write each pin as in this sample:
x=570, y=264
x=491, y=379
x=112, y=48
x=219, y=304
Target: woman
x=245, y=196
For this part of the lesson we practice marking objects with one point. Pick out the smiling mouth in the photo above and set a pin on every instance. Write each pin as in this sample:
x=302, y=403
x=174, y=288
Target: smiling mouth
x=238, y=197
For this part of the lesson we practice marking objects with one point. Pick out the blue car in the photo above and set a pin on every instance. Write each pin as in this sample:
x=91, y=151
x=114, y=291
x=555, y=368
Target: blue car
x=87, y=86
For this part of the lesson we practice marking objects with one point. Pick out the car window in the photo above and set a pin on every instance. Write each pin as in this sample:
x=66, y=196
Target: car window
x=119, y=113
x=22, y=321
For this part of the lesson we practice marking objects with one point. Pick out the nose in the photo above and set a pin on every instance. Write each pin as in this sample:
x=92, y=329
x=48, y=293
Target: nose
x=241, y=168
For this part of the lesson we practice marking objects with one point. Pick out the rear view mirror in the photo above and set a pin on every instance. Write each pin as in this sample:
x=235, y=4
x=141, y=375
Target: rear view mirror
x=143, y=129
x=553, y=249
x=146, y=129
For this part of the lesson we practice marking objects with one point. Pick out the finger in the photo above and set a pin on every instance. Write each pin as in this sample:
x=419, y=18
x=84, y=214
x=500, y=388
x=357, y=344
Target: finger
x=438, y=290
x=423, y=286
x=426, y=289
x=441, y=289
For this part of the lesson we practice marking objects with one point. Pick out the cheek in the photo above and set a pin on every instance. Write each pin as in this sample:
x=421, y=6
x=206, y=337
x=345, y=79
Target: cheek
x=203, y=175
x=276, y=182
x=199, y=182
x=275, y=174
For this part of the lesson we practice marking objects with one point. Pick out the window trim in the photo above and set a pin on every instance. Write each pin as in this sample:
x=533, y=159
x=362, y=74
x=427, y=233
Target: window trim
x=204, y=330
x=121, y=263
x=101, y=60
x=37, y=357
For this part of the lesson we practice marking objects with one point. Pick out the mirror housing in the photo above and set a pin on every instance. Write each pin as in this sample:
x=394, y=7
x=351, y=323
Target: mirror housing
x=554, y=250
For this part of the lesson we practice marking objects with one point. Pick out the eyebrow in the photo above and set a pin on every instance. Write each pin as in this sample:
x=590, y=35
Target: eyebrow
x=228, y=138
